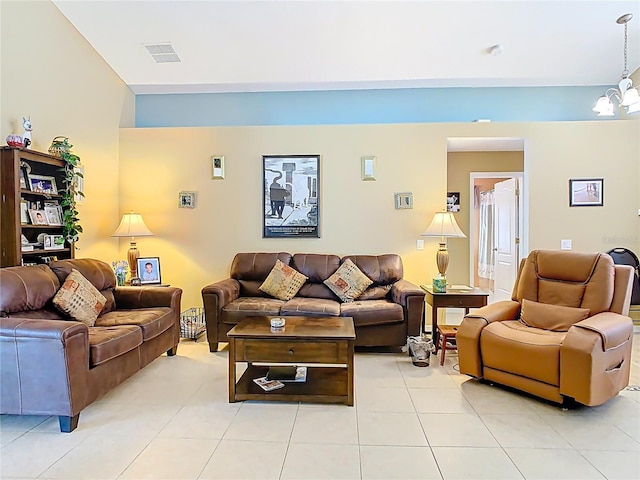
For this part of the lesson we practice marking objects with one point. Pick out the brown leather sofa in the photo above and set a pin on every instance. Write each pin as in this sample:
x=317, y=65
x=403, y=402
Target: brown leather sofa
x=536, y=344
x=51, y=365
x=389, y=310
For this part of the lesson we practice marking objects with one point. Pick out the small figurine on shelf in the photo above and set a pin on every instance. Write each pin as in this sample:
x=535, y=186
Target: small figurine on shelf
x=120, y=268
x=26, y=136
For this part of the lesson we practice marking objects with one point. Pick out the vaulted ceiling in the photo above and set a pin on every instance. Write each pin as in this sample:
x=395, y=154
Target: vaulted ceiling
x=309, y=45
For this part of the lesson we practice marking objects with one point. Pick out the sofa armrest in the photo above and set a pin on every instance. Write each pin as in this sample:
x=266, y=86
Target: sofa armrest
x=214, y=298
x=148, y=297
x=403, y=289
x=468, y=334
x=595, y=358
x=45, y=366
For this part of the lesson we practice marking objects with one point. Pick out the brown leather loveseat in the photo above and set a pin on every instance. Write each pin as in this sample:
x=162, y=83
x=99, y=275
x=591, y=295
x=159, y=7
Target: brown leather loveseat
x=564, y=334
x=389, y=309
x=51, y=365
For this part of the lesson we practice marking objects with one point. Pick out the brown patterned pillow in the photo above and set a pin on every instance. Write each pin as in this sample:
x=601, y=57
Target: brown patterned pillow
x=79, y=299
x=283, y=282
x=348, y=282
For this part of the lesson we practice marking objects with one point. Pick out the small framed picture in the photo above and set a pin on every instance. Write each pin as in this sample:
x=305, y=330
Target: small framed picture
x=217, y=167
x=586, y=192
x=42, y=184
x=24, y=212
x=453, y=201
x=78, y=183
x=187, y=200
x=23, y=179
x=149, y=270
x=53, y=242
x=38, y=217
x=53, y=213
x=368, y=167
x=404, y=200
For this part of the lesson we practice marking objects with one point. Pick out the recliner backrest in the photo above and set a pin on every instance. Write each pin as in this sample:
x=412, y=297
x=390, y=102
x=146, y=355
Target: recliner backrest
x=571, y=279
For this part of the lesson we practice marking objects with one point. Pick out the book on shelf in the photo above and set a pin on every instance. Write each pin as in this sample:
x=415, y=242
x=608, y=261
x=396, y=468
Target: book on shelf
x=287, y=374
x=268, y=385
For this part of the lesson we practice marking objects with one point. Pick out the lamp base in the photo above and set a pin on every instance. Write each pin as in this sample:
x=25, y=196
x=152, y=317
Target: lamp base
x=442, y=259
x=132, y=257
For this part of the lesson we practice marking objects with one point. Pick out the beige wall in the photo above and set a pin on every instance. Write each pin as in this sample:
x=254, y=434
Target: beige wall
x=50, y=72
x=459, y=167
x=196, y=246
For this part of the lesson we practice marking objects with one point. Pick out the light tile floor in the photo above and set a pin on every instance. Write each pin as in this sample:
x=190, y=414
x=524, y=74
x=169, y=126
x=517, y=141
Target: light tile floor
x=172, y=420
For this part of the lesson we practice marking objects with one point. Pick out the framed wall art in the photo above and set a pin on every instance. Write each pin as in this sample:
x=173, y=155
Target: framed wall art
x=404, y=200
x=187, y=200
x=586, y=192
x=290, y=196
x=368, y=167
x=217, y=167
x=453, y=201
x=149, y=270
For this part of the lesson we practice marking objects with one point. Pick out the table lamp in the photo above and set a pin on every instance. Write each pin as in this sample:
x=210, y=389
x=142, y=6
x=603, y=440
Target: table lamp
x=132, y=226
x=444, y=226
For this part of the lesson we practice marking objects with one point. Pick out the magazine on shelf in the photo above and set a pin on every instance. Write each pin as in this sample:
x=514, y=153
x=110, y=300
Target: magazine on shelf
x=268, y=385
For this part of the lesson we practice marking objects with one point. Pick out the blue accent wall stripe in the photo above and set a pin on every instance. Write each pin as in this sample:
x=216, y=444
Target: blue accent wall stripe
x=333, y=107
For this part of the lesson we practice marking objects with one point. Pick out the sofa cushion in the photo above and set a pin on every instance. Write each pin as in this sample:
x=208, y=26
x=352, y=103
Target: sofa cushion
x=348, y=282
x=99, y=273
x=247, y=306
x=27, y=288
x=551, y=317
x=79, y=299
x=152, y=321
x=529, y=352
x=283, y=282
x=106, y=343
x=310, y=306
x=372, y=312
x=377, y=292
x=382, y=269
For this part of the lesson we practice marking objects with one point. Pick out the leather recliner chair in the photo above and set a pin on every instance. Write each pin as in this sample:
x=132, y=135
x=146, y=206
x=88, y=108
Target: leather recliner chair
x=564, y=334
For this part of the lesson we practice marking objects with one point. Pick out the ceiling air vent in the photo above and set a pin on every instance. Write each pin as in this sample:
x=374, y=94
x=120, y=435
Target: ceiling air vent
x=162, y=52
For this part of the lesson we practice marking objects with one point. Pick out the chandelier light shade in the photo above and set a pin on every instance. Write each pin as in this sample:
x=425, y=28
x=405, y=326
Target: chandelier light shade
x=132, y=225
x=626, y=94
x=444, y=226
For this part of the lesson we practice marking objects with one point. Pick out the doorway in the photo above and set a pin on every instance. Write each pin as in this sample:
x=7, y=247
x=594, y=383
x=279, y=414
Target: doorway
x=496, y=231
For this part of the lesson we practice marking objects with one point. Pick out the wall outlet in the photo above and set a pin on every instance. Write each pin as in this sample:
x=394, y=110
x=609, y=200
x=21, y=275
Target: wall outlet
x=565, y=244
x=420, y=244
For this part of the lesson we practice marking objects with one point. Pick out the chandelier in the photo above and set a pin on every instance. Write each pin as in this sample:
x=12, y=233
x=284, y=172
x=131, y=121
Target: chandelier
x=626, y=95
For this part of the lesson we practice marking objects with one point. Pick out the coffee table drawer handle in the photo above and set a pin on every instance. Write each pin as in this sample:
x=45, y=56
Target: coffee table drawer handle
x=291, y=351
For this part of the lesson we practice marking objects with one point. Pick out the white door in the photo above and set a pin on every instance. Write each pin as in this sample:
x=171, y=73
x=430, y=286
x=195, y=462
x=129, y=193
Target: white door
x=507, y=241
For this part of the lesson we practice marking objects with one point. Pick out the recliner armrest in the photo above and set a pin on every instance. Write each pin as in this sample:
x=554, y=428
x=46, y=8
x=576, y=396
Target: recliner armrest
x=613, y=328
x=497, y=312
x=403, y=289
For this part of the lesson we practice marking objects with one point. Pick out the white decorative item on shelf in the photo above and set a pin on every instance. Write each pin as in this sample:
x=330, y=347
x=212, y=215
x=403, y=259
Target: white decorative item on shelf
x=26, y=136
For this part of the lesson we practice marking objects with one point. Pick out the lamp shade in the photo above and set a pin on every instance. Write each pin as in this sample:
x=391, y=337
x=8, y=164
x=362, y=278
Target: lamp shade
x=630, y=97
x=132, y=225
x=444, y=225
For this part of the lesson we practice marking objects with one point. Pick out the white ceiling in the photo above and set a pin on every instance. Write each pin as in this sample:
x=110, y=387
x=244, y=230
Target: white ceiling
x=270, y=45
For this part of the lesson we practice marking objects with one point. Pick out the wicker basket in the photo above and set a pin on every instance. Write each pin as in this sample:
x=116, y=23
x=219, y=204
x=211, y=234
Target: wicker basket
x=192, y=323
x=58, y=146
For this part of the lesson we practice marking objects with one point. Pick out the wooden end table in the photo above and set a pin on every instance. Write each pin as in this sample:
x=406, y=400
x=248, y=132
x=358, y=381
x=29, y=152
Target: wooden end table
x=454, y=297
x=304, y=341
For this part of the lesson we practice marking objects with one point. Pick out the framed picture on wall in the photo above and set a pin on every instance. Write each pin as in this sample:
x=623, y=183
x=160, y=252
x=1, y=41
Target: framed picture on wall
x=149, y=270
x=586, y=192
x=453, y=201
x=290, y=196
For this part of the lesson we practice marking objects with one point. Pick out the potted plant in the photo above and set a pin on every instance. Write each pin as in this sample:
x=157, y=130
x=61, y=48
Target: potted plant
x=70, y=222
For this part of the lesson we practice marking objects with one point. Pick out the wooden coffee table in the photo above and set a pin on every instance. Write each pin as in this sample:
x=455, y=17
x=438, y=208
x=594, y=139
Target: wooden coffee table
x=309, y=341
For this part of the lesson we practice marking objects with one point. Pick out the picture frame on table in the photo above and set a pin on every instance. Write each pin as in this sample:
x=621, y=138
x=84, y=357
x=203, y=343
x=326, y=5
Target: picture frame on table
x=42, y=184
x=149, y=270
x=586, y=192
x=290, y=196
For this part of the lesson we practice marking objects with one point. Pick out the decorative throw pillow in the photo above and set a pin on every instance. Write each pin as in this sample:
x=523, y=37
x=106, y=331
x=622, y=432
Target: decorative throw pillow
x=551, y=317
x=283, y=282
x=348, y=282
x=375, y=293
x=79, y=299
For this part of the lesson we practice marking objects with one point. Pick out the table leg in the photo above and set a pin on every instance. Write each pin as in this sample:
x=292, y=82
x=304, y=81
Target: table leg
x=434, y=324
x=350, y=373
x=232, y=370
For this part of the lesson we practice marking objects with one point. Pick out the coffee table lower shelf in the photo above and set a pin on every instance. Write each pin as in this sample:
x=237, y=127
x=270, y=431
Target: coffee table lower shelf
x=323, y=385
